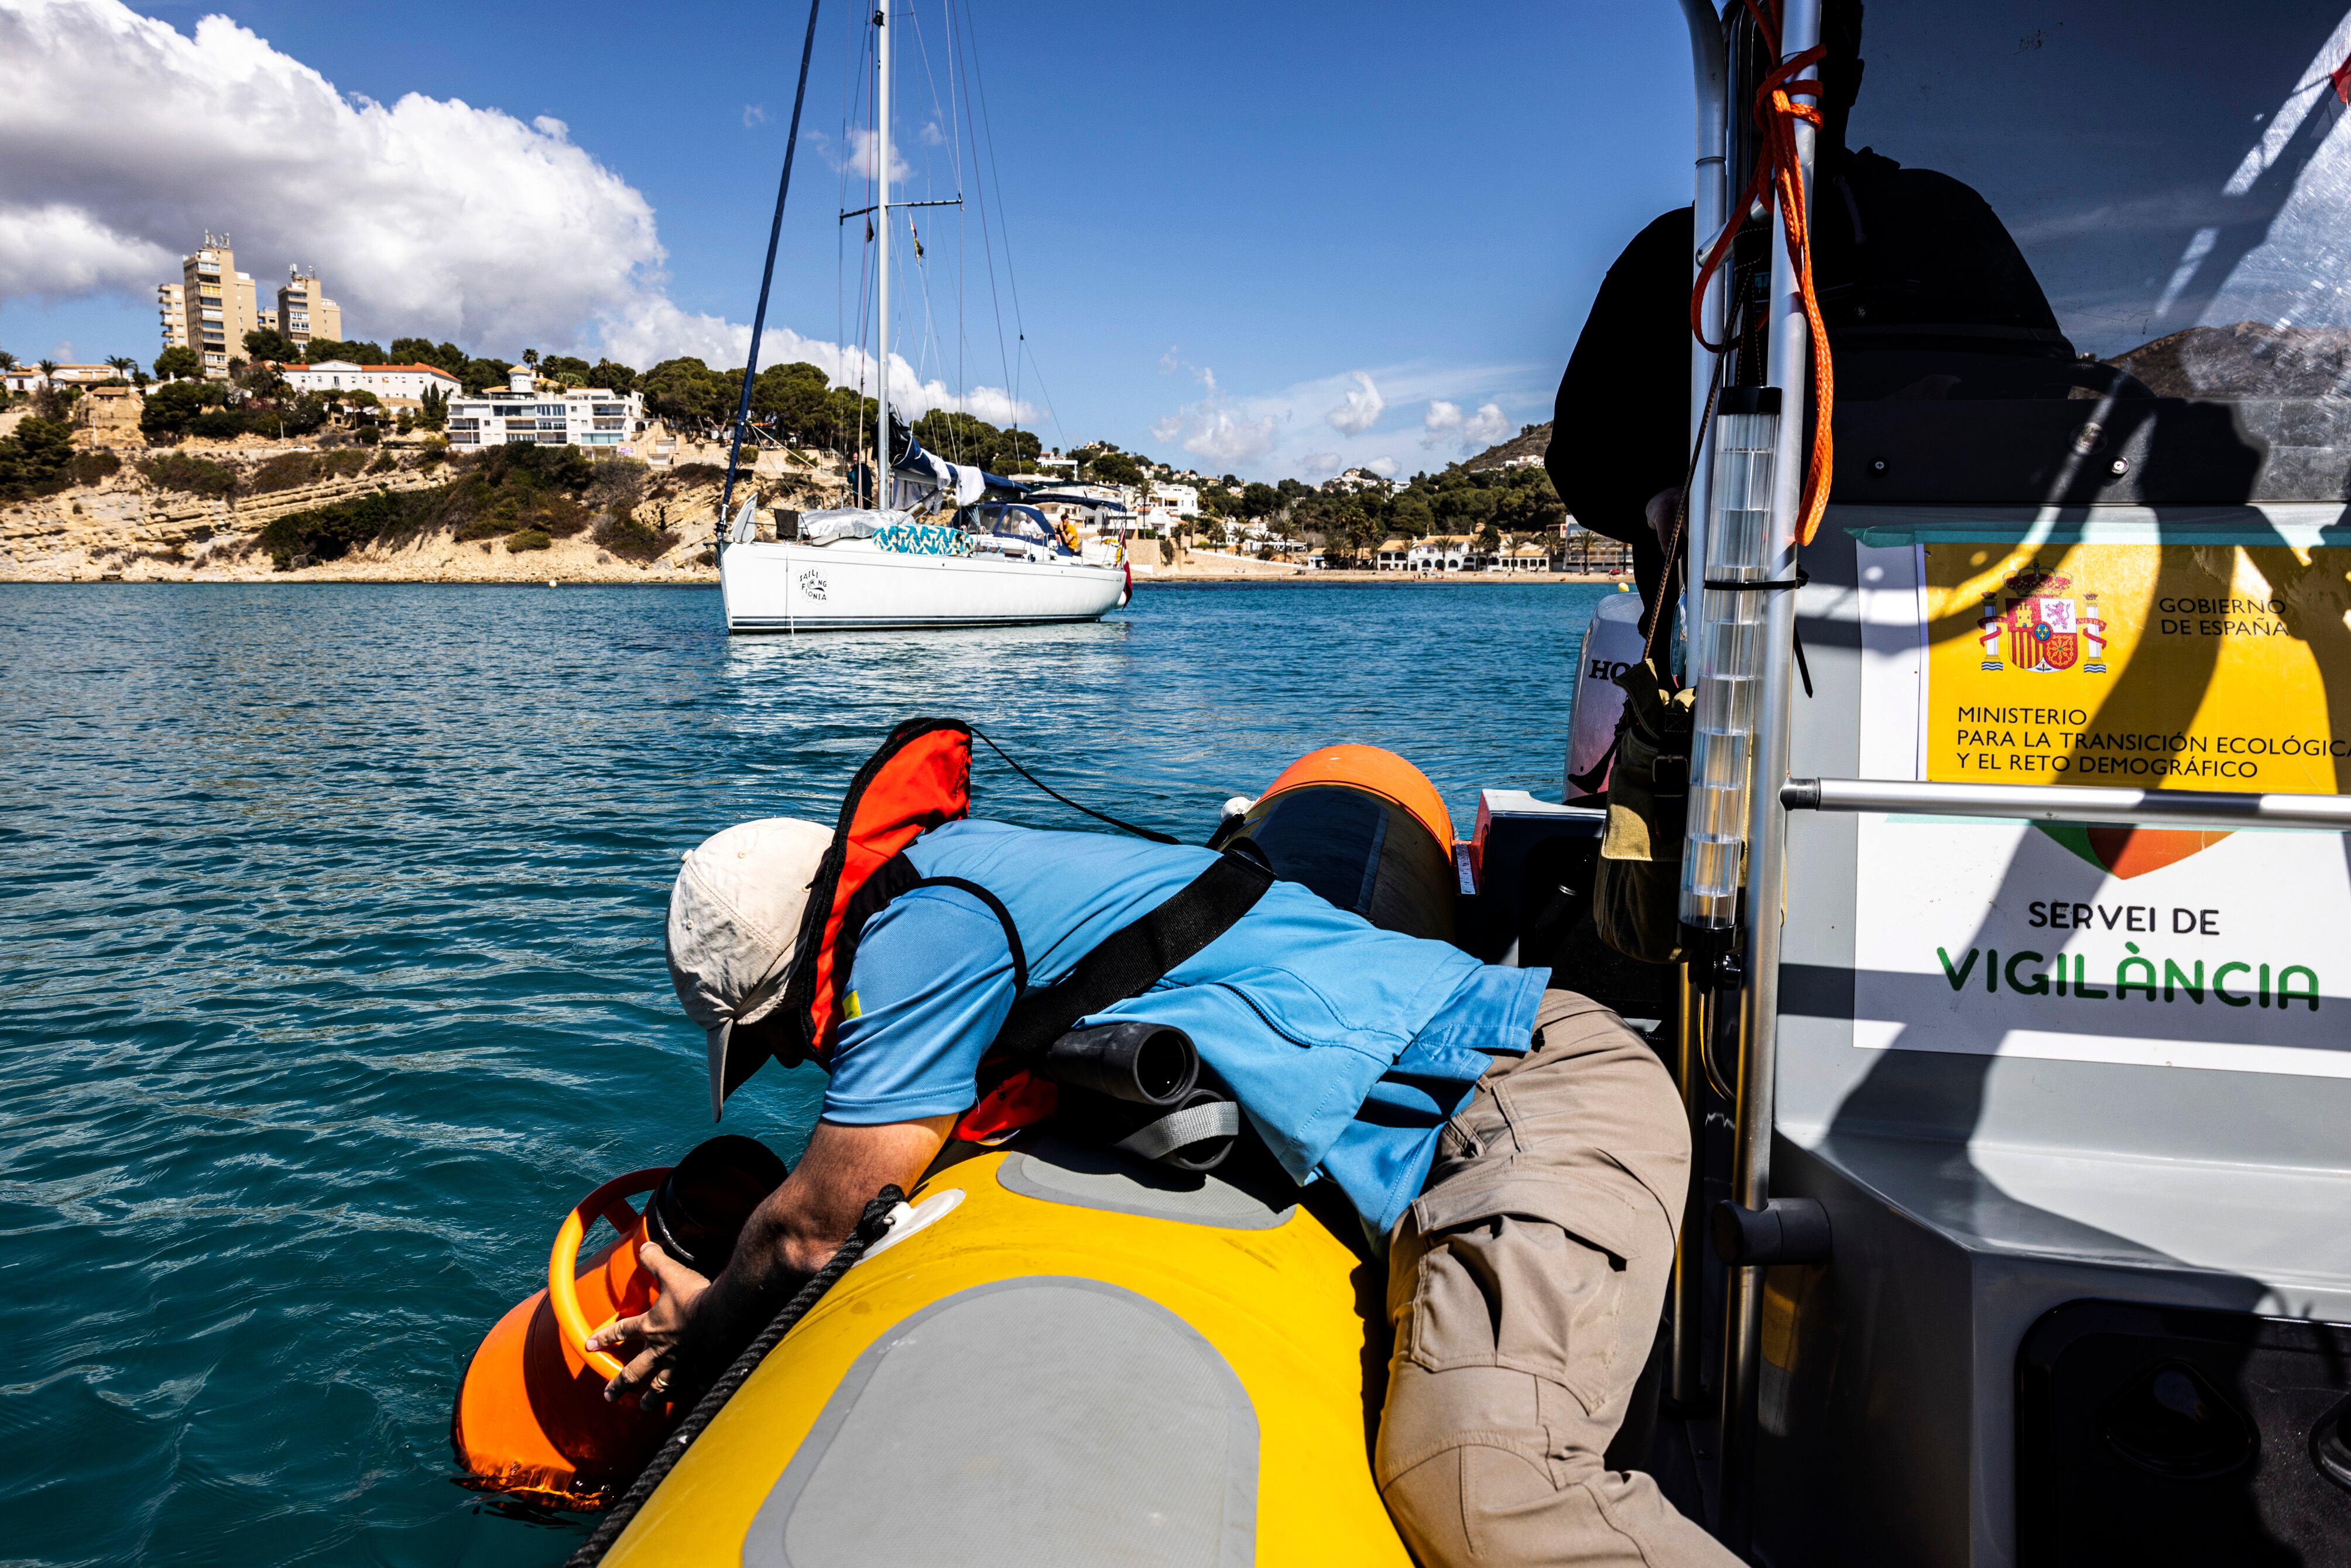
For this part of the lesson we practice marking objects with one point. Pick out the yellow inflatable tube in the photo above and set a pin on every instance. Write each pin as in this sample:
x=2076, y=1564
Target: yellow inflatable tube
x=1058, y=1357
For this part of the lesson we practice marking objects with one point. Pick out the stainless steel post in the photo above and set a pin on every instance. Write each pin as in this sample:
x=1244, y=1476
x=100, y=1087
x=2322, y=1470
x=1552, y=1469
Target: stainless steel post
x=1710, y=79
x=1759, y=1016
x=2070, y=803
x=1685, y=1383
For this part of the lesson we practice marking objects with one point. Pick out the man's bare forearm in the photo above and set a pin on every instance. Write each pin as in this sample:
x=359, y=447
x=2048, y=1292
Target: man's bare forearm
x=803, y=1222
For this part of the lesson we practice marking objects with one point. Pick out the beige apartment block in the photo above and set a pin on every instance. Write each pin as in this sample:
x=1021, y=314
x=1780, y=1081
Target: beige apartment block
x=304, y=312
x=219, y=305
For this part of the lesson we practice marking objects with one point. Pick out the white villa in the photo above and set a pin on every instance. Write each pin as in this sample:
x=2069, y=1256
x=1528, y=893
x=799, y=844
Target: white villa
x=383, y=381
x=583, y=416
x=1459, y=552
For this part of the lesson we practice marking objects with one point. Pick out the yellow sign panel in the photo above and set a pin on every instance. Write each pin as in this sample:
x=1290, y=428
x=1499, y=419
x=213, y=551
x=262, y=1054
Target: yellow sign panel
x=2155, y=666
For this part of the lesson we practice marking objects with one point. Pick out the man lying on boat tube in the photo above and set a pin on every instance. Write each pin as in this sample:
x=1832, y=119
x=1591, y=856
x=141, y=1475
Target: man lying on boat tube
x=1521, y=1153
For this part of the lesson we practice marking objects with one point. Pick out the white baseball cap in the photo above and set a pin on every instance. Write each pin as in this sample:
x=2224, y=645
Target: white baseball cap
x=735, y=927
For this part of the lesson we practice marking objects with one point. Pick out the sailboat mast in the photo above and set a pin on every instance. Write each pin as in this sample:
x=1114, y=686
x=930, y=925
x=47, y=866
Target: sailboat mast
x=881, y=252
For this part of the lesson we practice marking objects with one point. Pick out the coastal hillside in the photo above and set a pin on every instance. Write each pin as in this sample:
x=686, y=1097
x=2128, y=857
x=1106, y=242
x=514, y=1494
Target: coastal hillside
x=1527, y=446
x=246, y=512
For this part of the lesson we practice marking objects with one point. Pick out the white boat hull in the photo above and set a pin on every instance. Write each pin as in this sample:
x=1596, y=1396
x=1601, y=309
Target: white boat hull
x=788, y=587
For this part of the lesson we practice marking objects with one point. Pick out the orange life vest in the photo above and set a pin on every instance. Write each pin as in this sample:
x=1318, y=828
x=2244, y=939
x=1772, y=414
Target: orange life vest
x=920, y=778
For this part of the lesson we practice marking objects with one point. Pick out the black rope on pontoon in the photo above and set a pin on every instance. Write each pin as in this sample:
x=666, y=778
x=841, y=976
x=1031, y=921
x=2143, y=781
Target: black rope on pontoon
x=872, y=1225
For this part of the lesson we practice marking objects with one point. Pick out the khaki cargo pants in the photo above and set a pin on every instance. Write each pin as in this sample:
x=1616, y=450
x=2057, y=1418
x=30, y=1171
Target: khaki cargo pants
x=1524, y=1288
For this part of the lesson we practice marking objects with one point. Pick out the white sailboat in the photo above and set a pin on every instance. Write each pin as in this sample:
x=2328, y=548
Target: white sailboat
x=882, y=567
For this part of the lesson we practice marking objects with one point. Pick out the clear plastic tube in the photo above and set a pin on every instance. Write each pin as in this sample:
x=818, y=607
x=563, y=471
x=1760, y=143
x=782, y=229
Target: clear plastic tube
x=1729, y=666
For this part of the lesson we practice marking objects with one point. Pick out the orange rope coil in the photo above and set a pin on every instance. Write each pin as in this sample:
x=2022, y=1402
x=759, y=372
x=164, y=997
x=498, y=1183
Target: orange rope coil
x=1778, y=169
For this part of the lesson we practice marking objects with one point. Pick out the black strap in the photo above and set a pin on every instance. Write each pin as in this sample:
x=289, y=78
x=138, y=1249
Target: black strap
x=1003, y=915
x=1726, y=585
x=890, y=880
x=1137, y=955
x=1153, y=834
x=1802, y=579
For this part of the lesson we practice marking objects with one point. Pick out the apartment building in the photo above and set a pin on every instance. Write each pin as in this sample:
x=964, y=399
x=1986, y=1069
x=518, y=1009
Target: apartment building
x=304, y=312
x=218, y=305
x=583, y=416
x=213, y=306
x=383, y=381
x=172, y=306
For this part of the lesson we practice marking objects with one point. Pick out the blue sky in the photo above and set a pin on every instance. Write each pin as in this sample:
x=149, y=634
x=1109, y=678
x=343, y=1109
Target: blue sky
x=1269, y=240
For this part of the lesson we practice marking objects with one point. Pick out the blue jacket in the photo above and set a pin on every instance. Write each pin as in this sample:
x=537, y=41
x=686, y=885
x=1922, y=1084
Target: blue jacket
x=1347, y=1046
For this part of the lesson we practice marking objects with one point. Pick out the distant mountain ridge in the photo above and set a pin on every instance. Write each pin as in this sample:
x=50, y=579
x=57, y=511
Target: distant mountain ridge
x=1531, y=442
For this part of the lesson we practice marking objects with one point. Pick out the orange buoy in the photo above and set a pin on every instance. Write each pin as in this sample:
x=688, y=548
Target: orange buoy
x=1375, y=772
x=531, y=1422
x=1366, y=831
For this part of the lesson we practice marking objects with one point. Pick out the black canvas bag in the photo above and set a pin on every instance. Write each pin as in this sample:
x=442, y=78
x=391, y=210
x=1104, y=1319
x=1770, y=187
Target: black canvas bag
x=1636, y=889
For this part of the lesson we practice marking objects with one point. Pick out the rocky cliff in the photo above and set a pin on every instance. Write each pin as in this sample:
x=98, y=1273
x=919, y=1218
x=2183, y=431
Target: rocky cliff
x=205, y=521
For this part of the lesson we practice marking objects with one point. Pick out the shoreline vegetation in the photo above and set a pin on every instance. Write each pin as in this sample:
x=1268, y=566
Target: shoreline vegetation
x=242, y=479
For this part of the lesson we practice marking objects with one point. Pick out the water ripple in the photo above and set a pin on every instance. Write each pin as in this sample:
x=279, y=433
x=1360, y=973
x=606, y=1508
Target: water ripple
x=330, y=968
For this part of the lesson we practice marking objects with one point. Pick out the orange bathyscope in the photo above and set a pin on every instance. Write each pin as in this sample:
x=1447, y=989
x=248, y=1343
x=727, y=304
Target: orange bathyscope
x=531, y=1421
x=1375, y=772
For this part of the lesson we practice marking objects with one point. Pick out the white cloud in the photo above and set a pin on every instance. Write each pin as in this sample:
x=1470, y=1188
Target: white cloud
x=1444, y=426
x=861, y=162
x=1227, y=439
x=57, y=250
x=1167, y=429
x=425, y=215
x=1169, y=362
x=754, y=114
x=1362, y=409
x=126, y=140
x=932, y=135
x=657, y=329
x=1286, y=433
x=1486, y=426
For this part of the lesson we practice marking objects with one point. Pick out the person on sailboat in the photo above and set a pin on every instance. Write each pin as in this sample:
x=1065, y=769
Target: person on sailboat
x=1904, y=259
x=1517, y=1153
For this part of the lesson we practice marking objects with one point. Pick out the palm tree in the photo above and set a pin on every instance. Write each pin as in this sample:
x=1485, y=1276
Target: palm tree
x=47, y=367
x=121, y=364
x=8, y=361
x=530, y=356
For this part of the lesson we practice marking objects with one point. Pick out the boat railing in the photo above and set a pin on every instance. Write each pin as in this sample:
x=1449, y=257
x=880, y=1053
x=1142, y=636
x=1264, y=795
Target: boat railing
x=2067, y=803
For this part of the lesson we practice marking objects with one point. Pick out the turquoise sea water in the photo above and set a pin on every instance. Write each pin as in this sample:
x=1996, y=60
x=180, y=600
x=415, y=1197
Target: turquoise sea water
x=330, y=968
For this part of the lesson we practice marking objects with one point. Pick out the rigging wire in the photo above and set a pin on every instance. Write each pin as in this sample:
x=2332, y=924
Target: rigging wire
x=979, y=198
x=1011, y=274
x=955, y=161
x=767, y=274
x=840, y=194
x=1047, y=393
